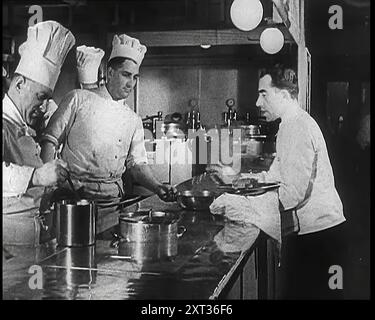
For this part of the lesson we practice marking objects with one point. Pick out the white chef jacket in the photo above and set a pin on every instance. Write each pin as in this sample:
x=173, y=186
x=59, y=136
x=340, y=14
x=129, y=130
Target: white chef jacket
x=20, y=158
x=101, y=138
x=16, y=178
x=303, y=167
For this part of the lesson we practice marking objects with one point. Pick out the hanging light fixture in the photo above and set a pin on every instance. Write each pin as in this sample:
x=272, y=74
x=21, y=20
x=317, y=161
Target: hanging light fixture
x=271, y=40
x=246, y=14
x=205, y=46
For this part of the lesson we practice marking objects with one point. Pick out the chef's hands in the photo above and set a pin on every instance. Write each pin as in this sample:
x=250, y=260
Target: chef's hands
x=221, y=169
x=51, y=173
x=258, y=176
x=225, y=173
x=229, y=176
x=166, y=192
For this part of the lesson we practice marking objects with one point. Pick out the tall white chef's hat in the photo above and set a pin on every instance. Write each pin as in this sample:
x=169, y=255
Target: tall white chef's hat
x=127, y=47
x=44, y=52
x=88, y=62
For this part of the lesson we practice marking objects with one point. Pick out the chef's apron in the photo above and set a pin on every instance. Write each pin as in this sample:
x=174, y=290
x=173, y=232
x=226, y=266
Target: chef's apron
x=21, y=224
x=102, y=192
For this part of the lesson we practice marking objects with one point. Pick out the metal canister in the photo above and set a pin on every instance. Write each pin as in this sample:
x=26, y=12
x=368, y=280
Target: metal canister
x=75, y=223
x=254, y=147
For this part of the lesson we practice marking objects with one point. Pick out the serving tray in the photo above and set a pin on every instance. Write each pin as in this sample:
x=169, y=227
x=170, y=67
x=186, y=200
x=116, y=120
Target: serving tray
x=259, y=189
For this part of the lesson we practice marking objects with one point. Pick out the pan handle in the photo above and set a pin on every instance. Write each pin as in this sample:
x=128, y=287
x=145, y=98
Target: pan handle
x=114, y=204
x=181, y=231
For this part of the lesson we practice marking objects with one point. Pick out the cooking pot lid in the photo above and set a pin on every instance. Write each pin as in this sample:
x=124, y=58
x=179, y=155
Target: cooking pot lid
x=149, y=216
x=81, y=202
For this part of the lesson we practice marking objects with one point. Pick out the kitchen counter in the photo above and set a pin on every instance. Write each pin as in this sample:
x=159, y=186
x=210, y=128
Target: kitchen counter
x=212, y=256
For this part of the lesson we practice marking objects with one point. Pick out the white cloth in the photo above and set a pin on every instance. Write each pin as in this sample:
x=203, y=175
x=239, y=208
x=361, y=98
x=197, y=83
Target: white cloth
x=303, y=168
x=15, y=179
x=262, y=211
x=236, y=237
x=127, y=47
x=88, y=62
x=44, y=52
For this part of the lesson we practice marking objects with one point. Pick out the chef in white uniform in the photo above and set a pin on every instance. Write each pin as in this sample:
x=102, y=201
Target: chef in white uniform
x=307, y=190
x=24, y=174
x=101, y=135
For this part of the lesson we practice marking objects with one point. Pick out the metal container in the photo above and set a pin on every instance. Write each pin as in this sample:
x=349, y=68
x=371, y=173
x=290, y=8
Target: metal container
x=252, y=146
x=250, y=130
x=195, y=200
x=148, y=235
x=252, y=140
x=75, y=223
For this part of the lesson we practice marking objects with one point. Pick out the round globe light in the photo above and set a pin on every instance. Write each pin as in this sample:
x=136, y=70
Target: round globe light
x=271, y=40
x=246, y=14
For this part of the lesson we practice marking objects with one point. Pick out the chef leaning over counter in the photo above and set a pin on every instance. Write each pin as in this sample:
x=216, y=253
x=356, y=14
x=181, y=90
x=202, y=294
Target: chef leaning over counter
x=313, y=232
x=307, y=189
x=24, y=174
x=101, y=136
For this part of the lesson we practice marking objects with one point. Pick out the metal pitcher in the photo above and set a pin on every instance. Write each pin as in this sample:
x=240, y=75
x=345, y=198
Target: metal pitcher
x=75, y=223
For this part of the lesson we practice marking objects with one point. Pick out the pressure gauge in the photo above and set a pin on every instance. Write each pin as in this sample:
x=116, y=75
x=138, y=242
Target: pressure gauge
x=230, y=103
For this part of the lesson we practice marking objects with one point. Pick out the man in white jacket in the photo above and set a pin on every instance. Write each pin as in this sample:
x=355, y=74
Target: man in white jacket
x=24, y=174
x=307, y=188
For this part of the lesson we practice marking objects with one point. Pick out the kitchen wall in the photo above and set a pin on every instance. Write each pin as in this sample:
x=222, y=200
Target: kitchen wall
x=169, y=89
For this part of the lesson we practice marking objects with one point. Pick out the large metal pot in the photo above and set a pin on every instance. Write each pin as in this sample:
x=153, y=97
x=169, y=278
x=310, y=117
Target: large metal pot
x=75, y=223
x=148, y=235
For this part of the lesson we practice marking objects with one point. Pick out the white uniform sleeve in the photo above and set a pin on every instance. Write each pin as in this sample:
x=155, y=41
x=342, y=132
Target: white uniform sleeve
x=273, y=174
x=61, y=119
x=16, y=179
x=295, y=156
x=137, y=152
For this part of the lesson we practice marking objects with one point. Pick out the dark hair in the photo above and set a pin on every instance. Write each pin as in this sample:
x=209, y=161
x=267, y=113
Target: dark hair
x=116, y=62
x=282, y=78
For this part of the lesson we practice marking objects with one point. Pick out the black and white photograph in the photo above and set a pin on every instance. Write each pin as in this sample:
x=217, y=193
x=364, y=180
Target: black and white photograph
x=187, y=154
